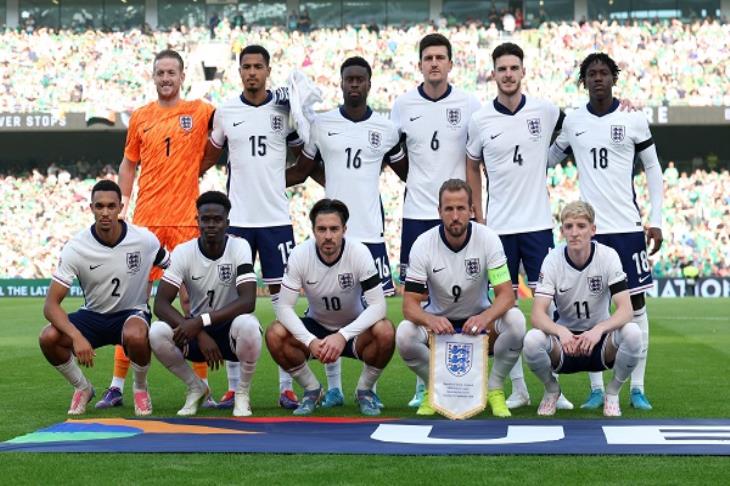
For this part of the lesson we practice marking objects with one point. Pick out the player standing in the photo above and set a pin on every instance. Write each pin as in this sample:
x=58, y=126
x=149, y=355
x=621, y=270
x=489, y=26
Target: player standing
x=336, y=274
x=432, y=120
x=511, y=137
x=166, y=139
x=455, y=263
x=583, y=278
x=255, y=125
x=218, y=272
x=111, y=261
x=604, y=141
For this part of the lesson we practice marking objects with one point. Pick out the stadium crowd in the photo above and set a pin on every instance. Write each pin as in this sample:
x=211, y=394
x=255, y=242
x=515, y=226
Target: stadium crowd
x=42, y=210
x=666, y=63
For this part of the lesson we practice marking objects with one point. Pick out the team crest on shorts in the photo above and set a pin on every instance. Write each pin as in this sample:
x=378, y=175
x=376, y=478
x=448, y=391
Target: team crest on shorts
x=134, y=261
x=533, y=126
x=346, y=280
x=453, y=116
x=225, y=272
x=595, y=285
x=473, y=267
x=186, y=122
x=277, y=123
x=618, y=132
x=459, y=358
x=374, y=138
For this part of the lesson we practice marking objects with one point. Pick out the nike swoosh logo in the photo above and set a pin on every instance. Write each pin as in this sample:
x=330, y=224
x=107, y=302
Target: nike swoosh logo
x=578, y=134
x=332, y=133
x=564, y=290
x=644, y=278
x=235, y=124
x=311, y=283
x=197, y=278
x=414, y=118
x=437, y=270
x=492, y=137
x=94, y=267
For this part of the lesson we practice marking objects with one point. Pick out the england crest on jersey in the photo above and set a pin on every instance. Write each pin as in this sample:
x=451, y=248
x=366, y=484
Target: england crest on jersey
x=134, y=261
x=225, y=273
x=618, y=132
x=473, y=267
x=533, y=126
x=277, y=123
x=595, y=285
x=374, y=138
x=346, y=280
x=186, y=122
x=459, y=358
x=453, y=116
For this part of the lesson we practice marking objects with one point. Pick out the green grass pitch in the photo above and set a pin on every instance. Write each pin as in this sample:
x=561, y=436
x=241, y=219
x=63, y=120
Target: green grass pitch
x=688, y=377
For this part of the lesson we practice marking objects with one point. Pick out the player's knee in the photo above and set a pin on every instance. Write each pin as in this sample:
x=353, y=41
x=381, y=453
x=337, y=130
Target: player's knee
x=48, y=337
x=631, y=338
x=275, y=335
x=135, y=332
x=160, y=333
x=246, y=327
x=512, y=322
x=406, y=338
x=384, y=333
x=534, y=344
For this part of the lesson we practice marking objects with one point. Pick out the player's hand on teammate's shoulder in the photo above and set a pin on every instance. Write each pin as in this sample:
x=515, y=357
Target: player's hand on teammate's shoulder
x=439, y=325
x=475, y=325
x=628, y=105
x=654, y=240
x=187, y=331
x=210, y=350
x=332, y=347
x=84, y=352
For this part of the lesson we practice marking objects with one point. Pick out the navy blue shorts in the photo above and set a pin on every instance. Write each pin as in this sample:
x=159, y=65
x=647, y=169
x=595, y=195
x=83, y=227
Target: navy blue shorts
x=575, y=364
x=273, y=244
x=322, y=332
x=382, y=263
x=412, y=229
x=104, y=329
x=221, y=334
x=529, y=248
x=631, y=249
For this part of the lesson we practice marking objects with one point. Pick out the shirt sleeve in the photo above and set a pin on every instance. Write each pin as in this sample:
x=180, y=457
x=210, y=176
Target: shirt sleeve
x=546, y=281
x=395, y=116
x=67, y=268
x=396, y=153
x=417, y=274
x=615, y=269
x=368, y=275
x=642, y=137
x=244, y=263
x=218, y=134
x=161, y=255
x=133, y=143
x=175, y=273
x=495, y=251
x=473, y=140
x=293, y=273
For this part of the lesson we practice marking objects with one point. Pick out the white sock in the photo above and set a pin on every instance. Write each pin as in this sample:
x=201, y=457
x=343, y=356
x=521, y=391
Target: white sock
x=596, y=378
x=304, y=376
x=246, y=333
x=169, y=355
x=637, y=376
x=537, y=355
x=368, y=377
x=334, y=374
x=285, y=380
x=628, y=340
x=517, y=376
x=73, y=374
x=233, y=372
x=507, y=347
x=140, y=376
x=246, y=372
x=419, y=382
x=411, y=341
x=117, y=383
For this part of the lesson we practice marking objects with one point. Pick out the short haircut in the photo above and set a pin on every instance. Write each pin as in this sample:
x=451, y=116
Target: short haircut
x=329, y=206
x=213, y=197
x=455, y=185
x=507, y=49
x=432, y=40
x=255, y=49
x=106, y=185
x=356, y=61
x=169, y=54
x=578, y=209
x=597, y=57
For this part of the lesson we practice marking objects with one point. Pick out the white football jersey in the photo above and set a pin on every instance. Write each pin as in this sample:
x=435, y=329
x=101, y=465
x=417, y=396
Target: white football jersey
x=258, y=137
x=211, y=284
x=435, y=138
x=353, y=154
x=514, y=148
x=333, y=291
x=582, y=295
x=113, y=278
x=604, y=148
x=456, y=278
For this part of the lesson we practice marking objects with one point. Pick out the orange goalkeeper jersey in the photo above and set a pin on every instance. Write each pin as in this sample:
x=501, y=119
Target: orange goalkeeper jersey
x=169, y=144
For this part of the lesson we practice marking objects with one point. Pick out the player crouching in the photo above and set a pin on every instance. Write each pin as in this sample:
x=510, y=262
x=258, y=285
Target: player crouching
x=335, y=274
x=217, y=271
x=582, y=276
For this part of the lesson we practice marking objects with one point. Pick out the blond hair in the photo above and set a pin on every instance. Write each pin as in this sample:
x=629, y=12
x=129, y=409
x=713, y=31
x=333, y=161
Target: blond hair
x=578, y=209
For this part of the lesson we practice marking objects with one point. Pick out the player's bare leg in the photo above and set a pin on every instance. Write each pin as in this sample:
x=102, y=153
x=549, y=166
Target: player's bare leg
x=135, y=340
